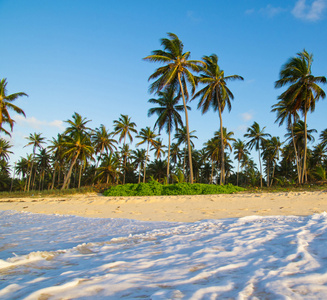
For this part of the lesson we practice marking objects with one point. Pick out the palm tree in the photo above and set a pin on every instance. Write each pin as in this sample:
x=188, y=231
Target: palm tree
x=57, y=148
x=211, y=148
x=257, y=136
x=159, y=149
x=77, y=146
x=109, y=168
x=77, y=125
x=301, y=137
x=36, y=140
x=272, y=148
x=139, y=157
x=175, y=72
x=215, y=95
x=323, y=137
x=183, y=136
x=6, y=104
x=286, y=113
x=168, y=115
x=240, y=152
x=146, y=135
x=102, y=141
x=4, y=149
x=43, y=163
x=124, y=127
x=303, y=90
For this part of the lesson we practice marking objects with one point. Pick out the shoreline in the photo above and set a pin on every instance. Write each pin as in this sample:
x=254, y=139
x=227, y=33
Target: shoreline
x=187, y=208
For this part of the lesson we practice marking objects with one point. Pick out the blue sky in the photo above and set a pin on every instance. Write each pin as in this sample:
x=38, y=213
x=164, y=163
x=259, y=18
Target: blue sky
x=86, y=57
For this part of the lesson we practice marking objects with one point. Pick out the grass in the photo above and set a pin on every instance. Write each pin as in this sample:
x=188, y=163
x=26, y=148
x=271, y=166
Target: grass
x=154, y=188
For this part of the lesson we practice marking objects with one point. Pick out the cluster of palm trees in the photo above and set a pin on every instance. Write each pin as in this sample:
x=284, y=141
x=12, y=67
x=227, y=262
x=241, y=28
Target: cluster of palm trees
x=84, y=156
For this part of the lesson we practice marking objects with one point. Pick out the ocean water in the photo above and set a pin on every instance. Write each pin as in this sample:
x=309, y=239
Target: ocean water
x=68, y=257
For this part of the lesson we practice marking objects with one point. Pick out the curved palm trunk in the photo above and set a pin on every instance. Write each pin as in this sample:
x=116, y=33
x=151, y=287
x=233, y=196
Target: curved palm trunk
x=187, y=131
x=222, y=169
x=67, y=179
x=168, y=158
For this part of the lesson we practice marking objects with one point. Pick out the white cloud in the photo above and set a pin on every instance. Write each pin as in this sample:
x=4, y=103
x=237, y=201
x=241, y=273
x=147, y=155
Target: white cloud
x=271, y=11
x=309, y=10
x=247, y=116
x=192, y=16
x=38, y=124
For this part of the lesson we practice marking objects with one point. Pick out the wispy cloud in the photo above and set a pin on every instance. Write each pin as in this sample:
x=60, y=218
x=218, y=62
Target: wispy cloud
x=309, y=10
x=268, y=11
x=38, y=124
x=271, y=11
x=247, y=116
x=192, y=16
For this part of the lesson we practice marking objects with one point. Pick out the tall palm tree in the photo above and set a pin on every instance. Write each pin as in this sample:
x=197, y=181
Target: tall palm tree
x=240, y=152
x=303, y=91
x=256, y=136
x=124, y=128
x=36, y=140
x=6, y=104
x=77, y=146
x=285, y=113
x=168, y=115
x=215, y=95
x=147, y=136
x=175, y=72
x=77, y=125
x=301, y=137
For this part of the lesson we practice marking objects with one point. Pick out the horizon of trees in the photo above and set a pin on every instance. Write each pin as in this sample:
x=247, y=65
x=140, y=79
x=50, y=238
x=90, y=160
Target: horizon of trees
x=84, y=156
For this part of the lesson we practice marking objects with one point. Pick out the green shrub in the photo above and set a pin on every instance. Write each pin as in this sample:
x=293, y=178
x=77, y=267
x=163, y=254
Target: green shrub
x=153, y=188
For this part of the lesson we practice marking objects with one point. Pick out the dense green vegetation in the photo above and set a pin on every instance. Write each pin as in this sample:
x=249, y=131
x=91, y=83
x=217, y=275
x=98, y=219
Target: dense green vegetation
x=81, y=156
x=154, y=188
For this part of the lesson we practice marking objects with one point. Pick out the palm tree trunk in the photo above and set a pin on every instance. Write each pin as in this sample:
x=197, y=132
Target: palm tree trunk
x=222, y=169
x=212, y=168
x=305, y=145
x=296, y=155
x=146, y=158
x=67, y=179
x=238, y=169
x=139, y=174
x=273, y=173
x=168, y=158
x=260, y=168
x=187, y=130
x=80, y=175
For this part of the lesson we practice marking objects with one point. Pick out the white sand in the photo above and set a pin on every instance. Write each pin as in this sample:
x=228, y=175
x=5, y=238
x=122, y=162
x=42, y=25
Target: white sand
x=174, y=208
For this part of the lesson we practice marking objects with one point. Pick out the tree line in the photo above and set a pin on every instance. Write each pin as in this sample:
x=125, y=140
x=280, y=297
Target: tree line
x=85, y=156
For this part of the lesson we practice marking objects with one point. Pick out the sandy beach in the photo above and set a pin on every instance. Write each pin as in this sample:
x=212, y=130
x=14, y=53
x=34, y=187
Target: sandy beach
x=174, y=208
